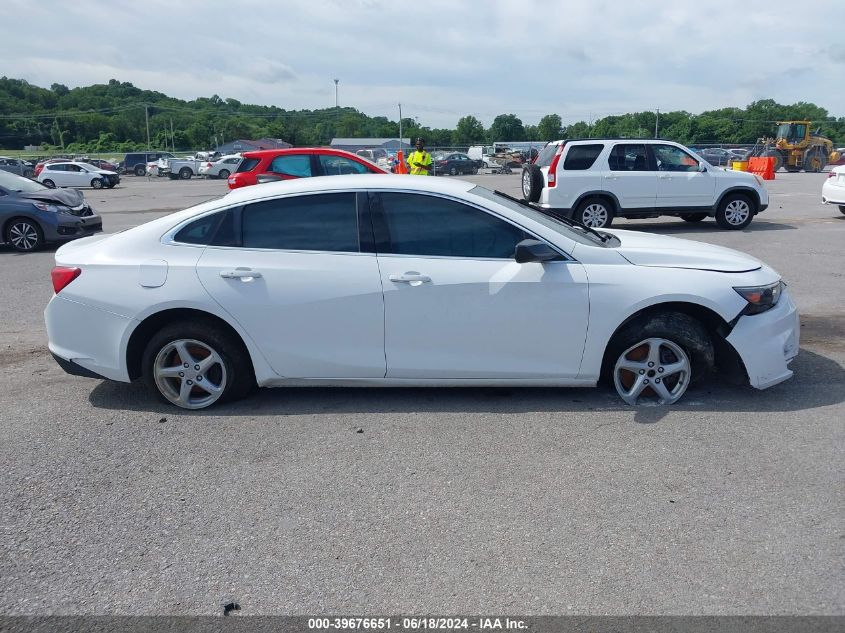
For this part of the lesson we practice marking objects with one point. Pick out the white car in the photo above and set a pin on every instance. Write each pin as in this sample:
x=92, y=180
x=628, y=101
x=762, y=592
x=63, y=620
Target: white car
x=595, y=180
x=833, y=189
x=222, y=167
x=366, y=280
x=76, y=174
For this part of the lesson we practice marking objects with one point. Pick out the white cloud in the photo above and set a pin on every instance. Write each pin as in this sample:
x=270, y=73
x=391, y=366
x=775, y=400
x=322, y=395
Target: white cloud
x=440, y=58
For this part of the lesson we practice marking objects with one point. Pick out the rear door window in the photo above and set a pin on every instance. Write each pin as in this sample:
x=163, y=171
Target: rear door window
x=323, y=222
x=628, y=157
x=298, y=165
x=580, y=157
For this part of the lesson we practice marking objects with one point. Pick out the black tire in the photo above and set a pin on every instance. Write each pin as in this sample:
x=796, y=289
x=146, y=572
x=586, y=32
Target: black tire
x=693, y=217
x=814, y=161
x=677, y=327
x=453, y=171
x=23, y=235
x=239, y=373
x=48, y=183
x=185, y=173
x=595, y=213
x=735, y=212
x=96, y=183
x=224, y=174
x=532, y=182
x=474, y=170
x=140, y=170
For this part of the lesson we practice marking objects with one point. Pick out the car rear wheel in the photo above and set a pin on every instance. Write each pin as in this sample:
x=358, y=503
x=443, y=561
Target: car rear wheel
x=24, y=235
x=223, y=173
x=185, y=173
x=453, y=171
x=195, y=365
x=656, y=357
x=532, y=183
x=693, y=217
x=595, y=213
x=96, y=183
x=48, y=183
x=735, y=212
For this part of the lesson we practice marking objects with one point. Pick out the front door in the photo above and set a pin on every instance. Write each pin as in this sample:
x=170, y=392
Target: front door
x=458, y=306
x=298, y=282
x=680, y=183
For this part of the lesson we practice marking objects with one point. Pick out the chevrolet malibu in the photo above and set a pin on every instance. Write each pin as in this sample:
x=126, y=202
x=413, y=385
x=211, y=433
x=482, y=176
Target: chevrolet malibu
x=408, y=281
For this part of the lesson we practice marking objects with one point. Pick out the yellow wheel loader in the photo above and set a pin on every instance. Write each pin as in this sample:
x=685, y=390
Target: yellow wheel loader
x=795, y=147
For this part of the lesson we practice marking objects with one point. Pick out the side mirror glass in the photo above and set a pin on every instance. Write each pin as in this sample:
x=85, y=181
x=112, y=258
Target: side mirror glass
x=261, y=178
x=702, y=166
x=535, y=251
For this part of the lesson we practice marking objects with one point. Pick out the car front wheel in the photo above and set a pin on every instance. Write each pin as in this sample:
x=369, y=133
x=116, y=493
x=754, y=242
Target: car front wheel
x=96, y=183
x=223, y=173
x=195, y=365
x=734, y=212
x=595, y=213
x=24, y=235
x=656, y=357
x=48, y=183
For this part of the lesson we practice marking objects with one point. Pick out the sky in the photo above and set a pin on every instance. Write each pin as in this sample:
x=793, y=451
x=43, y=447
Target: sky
x=442, y=59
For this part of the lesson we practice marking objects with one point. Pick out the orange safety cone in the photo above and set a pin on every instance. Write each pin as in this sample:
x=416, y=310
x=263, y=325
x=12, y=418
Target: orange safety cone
x=401, y=168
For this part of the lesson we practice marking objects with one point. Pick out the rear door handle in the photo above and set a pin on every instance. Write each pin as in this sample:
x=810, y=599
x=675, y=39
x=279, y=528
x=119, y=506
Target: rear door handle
x=415, y=279
x=242, y=273
x=612, y=177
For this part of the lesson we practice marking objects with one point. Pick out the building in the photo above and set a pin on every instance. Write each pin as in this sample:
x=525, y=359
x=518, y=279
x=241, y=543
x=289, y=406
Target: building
x=387, y=144
x=244, y=145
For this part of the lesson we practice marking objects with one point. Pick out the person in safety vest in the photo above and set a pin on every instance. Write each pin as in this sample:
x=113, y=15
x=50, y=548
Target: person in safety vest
x=419, y=161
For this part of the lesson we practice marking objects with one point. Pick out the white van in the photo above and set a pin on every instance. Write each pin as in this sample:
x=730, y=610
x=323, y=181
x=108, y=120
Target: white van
x=484, y=153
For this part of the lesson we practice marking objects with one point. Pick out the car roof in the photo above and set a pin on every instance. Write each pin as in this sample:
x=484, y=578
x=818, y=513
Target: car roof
x=262, y=153
x=356, y=182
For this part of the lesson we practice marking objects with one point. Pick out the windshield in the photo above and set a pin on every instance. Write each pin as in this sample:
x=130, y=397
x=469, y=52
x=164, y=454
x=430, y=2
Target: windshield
x=572, y=232
x=19, y=183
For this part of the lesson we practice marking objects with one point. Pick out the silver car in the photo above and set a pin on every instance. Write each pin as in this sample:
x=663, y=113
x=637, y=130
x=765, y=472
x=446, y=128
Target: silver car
x=222, y=167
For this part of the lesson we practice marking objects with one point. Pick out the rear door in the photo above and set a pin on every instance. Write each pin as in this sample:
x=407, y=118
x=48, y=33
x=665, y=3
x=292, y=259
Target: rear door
x=299, y=275
x=290, y=166
x=331, y=165
x=630, y=176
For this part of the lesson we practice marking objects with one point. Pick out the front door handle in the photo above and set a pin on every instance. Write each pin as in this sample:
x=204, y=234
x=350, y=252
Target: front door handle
x=612, y=177
x=413, y=278
x=242, y=273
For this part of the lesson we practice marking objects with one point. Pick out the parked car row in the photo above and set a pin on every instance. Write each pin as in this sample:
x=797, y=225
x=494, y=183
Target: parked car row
x=17, y=166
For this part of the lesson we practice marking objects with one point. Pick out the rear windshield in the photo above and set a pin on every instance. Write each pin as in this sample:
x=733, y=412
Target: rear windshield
x=580, y=157
x=248, y=164
x=544, y=158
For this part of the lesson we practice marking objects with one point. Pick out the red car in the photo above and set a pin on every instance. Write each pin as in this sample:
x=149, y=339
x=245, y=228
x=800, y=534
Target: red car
x=303, y=162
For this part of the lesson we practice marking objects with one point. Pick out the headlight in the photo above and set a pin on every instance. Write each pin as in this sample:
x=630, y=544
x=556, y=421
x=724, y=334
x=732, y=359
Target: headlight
x=761, y=298
x=43, y=206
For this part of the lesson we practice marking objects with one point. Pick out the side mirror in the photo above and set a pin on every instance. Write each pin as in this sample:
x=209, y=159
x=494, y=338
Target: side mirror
x=702, y=166
x=261, y=178
x=535, y=251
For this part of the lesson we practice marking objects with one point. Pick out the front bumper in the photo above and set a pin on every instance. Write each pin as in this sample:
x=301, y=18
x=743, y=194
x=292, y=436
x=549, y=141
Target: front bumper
x=60, y=227
x=767, y=342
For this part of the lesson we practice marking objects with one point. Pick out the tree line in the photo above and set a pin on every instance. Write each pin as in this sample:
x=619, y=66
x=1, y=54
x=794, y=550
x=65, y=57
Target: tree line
x=117, y=117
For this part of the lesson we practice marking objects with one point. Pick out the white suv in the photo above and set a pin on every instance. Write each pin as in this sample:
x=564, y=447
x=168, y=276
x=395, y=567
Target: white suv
x=595, y=180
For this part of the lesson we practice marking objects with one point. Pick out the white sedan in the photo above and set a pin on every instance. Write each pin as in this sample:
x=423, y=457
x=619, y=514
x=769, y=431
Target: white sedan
x=833, y=189
x=366, y=280
x=222, y=167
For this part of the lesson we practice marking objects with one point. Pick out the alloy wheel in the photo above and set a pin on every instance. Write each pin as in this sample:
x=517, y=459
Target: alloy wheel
x=190, y=373
x=655, y=369
x=23, y=235
x=594, y=215
x=737, y=212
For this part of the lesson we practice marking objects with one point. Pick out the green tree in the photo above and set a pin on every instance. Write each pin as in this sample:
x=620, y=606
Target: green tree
x=507, y=127
x=550, y=128
x=469, y=131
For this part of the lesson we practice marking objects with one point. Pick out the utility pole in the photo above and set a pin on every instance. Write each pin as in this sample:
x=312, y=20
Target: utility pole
x=400, y=126
x=656, y=122
x=172, y=138
x=147, y=117
x=336, y=108
x=335, y=93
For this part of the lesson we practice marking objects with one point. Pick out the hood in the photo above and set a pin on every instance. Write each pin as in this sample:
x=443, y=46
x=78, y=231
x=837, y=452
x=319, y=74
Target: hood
x=648, y=249
x=67, y=197
x=739, y=176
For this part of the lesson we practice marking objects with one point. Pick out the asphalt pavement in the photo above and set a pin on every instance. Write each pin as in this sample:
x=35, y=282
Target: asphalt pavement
x=389, y=501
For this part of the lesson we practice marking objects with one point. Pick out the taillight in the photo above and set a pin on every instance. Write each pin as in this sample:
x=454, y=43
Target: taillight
x=831, y=174
x=62, y=276
x=552, y=178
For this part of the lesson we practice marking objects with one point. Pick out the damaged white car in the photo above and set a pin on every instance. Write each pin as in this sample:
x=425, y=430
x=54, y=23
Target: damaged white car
x=366, y=280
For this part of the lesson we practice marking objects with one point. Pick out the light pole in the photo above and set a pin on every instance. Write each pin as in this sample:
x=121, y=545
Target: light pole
x=335, y=92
